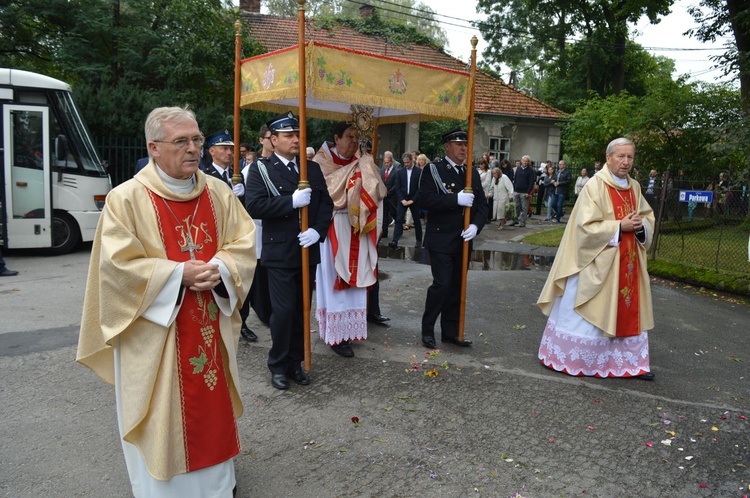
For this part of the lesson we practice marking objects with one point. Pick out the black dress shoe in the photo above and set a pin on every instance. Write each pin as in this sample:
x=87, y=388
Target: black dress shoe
x=378, y=319
x=8, y=273
x=343, y=349
x=393, y=245
x=647, y=376
x=300, y=377
x=454, y=340
x=428, y=341
x=248, y=334
x=279, y=381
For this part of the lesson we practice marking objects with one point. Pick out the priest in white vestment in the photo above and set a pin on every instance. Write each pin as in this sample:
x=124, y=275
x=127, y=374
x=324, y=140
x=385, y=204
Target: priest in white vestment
x=598, y=295
x=173, y=255
x=349, y=255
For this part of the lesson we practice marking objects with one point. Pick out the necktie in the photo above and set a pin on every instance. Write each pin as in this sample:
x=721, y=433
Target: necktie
x=386, y=173
x=225, y=175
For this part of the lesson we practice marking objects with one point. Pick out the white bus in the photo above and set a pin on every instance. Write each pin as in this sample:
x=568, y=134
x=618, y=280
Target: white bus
x=54, y=184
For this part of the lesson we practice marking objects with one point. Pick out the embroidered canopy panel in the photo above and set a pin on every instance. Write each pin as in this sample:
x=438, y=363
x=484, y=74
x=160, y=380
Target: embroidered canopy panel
x=398, y=90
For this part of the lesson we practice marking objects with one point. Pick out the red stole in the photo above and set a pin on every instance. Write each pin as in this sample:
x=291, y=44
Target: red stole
x=210, y=430
x=628, y=299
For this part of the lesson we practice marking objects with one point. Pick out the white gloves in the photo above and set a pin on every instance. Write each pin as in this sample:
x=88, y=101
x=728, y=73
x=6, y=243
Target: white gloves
x=465, y=199
x=301, y=198
x=311, y=236
x=469, y=233
x=238, y=189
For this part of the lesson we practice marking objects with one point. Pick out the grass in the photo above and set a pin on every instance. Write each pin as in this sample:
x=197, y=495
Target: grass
x=715, y=257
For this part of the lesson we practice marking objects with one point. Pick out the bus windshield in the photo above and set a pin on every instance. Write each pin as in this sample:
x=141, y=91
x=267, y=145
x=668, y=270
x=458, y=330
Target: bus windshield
x=78, y=142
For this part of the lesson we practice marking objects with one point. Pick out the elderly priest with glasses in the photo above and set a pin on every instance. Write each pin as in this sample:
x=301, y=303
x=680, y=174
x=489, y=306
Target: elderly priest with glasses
x=173, y=256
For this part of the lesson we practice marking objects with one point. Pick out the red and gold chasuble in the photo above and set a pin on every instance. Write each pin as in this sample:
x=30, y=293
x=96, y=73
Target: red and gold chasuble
x=372, y=206
x=628, y=302
x=188, y=231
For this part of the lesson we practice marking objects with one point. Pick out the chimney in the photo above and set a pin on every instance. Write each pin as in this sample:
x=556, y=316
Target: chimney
x=366, y=11
x=250, y=6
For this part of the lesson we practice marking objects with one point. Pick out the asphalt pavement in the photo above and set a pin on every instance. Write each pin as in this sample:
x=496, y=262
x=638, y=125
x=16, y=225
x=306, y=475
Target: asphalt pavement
x=488, y=420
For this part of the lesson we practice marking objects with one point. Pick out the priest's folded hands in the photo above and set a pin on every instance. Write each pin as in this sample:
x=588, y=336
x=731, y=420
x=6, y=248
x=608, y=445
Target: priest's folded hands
x=199, y=276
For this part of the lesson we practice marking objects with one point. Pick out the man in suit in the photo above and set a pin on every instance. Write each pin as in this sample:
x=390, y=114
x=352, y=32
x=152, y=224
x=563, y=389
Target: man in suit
x=407, y=194
x=441, y=193
x=562, y=187
x=221, y=149
x=274, y=197
x=388, y=174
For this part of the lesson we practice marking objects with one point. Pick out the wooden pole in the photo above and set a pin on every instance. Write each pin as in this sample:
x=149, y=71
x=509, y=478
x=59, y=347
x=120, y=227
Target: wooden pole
x=303, y=183
x=468, y=189
x=236, y=173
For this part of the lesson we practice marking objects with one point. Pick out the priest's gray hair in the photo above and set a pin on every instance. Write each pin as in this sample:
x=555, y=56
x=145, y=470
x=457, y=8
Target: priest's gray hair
x=616, y=143
x=154, y=128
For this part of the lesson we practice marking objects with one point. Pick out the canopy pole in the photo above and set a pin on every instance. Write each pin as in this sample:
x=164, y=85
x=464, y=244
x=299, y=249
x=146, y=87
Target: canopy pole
x=237, y=174
x=303, y=183
x=468, y=189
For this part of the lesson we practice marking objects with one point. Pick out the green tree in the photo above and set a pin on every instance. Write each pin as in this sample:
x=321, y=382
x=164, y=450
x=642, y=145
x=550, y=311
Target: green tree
x=566, y=93
x=675, y=125
x=727, y=17
x=124, y=57
x=389, y=18
x=529, y=33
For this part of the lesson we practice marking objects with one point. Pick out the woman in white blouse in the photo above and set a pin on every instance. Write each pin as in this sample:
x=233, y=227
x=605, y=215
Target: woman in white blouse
x=502, y=191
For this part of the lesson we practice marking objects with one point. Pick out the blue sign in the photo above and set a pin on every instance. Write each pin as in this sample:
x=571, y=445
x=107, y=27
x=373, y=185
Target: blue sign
x=702, y=196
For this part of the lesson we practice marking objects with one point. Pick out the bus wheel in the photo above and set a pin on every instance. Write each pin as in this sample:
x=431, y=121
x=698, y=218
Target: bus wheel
x=65, y=233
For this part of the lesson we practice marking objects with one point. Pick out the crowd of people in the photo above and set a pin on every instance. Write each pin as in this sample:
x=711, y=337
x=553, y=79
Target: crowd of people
x=187, y=254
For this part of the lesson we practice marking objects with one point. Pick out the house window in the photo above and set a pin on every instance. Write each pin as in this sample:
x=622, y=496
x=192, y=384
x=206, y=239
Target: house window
x=500, y=147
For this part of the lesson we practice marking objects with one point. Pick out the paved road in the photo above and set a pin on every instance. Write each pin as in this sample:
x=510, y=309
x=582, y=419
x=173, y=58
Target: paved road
x=493, y=422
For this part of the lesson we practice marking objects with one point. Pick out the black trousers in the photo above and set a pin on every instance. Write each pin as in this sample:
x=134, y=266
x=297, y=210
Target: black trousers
x=443, y=296
x=373, y=298
x=389, y=212
x=398, y=229
x=287, y=327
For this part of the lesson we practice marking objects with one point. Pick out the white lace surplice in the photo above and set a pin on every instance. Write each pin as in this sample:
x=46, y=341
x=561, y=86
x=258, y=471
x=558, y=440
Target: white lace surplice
x=572, y=345
x=341, y=314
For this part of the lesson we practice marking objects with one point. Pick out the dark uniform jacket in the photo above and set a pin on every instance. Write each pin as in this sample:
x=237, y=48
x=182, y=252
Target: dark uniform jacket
x=281, y=222
x=212, y=171
x=445, y=219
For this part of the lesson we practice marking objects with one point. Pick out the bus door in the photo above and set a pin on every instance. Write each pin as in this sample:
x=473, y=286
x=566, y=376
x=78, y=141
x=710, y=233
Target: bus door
x=26, y=162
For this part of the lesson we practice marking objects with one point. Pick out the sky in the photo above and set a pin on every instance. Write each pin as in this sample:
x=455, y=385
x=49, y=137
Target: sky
x=665, y=38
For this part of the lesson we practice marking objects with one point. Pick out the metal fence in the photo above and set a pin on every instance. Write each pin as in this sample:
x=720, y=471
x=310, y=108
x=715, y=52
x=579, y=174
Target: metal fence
x=702, y=234
x=120, y=154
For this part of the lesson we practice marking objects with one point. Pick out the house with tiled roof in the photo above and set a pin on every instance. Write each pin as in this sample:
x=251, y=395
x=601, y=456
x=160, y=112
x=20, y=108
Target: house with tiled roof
x=508, y=122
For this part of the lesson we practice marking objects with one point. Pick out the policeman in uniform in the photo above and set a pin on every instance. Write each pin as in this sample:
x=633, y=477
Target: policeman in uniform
x=441, y=190
x=273, y=197
x=221, y=149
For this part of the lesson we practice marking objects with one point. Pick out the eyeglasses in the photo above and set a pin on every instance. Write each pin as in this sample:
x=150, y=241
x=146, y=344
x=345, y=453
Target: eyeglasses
x=267, y=137
x=181, y=143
